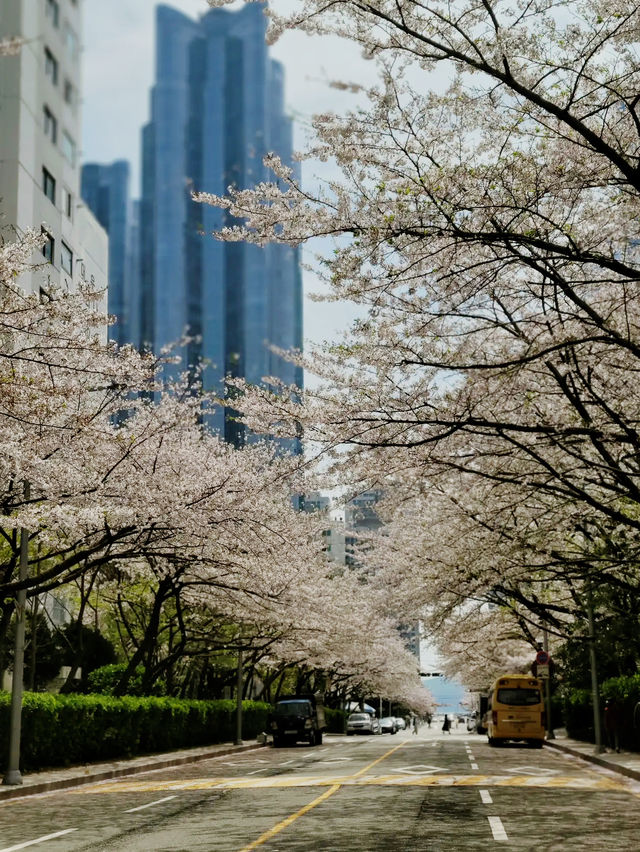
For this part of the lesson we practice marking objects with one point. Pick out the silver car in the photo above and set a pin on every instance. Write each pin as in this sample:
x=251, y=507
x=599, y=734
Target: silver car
x=362, y=723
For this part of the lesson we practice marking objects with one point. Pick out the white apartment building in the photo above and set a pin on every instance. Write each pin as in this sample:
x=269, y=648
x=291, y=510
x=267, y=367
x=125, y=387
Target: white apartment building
x=40, y=143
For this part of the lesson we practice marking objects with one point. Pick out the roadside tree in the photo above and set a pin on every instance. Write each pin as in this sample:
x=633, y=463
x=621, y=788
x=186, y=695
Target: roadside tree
x=485, y=214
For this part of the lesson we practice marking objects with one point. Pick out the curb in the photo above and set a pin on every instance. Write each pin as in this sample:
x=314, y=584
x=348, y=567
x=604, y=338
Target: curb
x=599, y=761
x=22, y=791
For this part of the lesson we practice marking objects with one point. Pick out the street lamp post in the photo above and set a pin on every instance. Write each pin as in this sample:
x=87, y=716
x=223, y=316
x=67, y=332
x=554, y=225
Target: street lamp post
x=547, y=686
x=238, y=739
x=12, y=775
x=595, y=691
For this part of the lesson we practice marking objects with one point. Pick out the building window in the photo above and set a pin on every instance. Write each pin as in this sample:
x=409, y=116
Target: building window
x=71, y=42
x=52, y=11
x=48, y=246
x=66, y=258
x=67, y=203
x=49, y=185
x=68, y=148
x=50, y=66
x=50, y=125
x=69, y=93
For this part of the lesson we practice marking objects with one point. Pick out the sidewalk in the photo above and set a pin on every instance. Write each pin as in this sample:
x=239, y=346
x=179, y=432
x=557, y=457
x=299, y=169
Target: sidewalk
x=74, y=776
x=624, y=762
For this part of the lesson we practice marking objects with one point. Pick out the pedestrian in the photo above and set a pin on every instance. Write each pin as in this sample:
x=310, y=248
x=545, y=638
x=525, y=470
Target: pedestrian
x=446, y=725
x=415, y=724
x=429, y=720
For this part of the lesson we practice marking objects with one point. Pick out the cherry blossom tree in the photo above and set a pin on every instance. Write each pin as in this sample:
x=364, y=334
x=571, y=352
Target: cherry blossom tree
x=127, y=485
x=485, y=216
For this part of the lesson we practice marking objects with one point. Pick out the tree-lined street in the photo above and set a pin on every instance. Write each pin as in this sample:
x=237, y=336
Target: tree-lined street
x=375, y=793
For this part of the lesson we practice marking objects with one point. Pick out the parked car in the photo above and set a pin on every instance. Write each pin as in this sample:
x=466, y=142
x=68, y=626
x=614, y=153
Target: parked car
x=362, y=723
x=297, y=717
x=388, y=725
x=400, y=723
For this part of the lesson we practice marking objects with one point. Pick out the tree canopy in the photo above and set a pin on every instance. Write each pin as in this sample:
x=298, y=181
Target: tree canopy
x=485, y=216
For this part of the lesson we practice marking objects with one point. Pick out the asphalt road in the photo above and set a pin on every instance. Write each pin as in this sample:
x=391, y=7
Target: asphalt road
x=357, y=794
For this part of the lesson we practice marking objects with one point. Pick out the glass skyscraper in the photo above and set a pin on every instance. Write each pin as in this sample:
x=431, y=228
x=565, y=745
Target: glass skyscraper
x=105, y=190
x=217, y=108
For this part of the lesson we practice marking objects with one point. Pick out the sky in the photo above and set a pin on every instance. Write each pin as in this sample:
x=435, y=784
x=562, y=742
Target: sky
x=118, y=71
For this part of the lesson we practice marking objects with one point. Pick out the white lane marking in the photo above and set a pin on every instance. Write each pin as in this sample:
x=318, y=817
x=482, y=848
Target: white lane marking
x=255, y=771
x=497, y=828
x=149, y=804
x=474, y=765
x=37, y=840
x=533, y=770
x=418, y=769
x=485, y=796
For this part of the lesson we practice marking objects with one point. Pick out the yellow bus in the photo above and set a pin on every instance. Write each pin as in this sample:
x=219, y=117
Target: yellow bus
x=516, y=711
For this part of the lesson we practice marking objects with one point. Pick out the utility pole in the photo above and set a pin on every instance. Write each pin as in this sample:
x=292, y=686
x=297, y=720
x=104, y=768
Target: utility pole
x=12, y=775
x=547, y=685
x=238, y=739
x=595, y=691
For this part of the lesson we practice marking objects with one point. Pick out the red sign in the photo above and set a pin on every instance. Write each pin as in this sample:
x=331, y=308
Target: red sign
x=542, y=657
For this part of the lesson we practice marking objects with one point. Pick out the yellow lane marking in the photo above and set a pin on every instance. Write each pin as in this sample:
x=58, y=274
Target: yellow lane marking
x=228, y=783
x=395, y=780
x=378, y=760
x=333, y=789
x=290, y=819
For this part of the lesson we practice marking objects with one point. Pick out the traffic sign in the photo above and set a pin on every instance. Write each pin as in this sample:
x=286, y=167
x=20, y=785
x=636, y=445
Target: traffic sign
x=542, y=671
x=542, y=658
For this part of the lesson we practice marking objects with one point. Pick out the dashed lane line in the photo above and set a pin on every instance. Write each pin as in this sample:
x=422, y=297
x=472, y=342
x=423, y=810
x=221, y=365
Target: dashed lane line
x=497, y=828
x=485, y=797
x=150, y=804
x=42, y=839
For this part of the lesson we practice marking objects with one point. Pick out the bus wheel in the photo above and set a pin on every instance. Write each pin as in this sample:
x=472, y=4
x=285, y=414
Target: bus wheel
x=493, y=742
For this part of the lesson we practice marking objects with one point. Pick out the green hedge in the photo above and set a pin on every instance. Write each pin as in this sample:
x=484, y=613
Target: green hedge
x=62, y=730
x=103, y=681
x=578, y=713
x=336, y=720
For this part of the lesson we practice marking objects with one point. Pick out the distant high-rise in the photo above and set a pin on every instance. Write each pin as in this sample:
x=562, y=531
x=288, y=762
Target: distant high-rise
x=217, y=108
x=40, y=97
x=105, y=189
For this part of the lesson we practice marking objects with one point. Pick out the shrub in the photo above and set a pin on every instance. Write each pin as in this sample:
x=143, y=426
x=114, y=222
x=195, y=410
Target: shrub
x=578, y=714
x=625, y=692
x=336, y=720
x=62, y=730
x=105, y=679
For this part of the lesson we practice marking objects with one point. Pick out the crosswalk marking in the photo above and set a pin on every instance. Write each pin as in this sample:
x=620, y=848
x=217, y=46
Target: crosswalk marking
x=389, y=780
